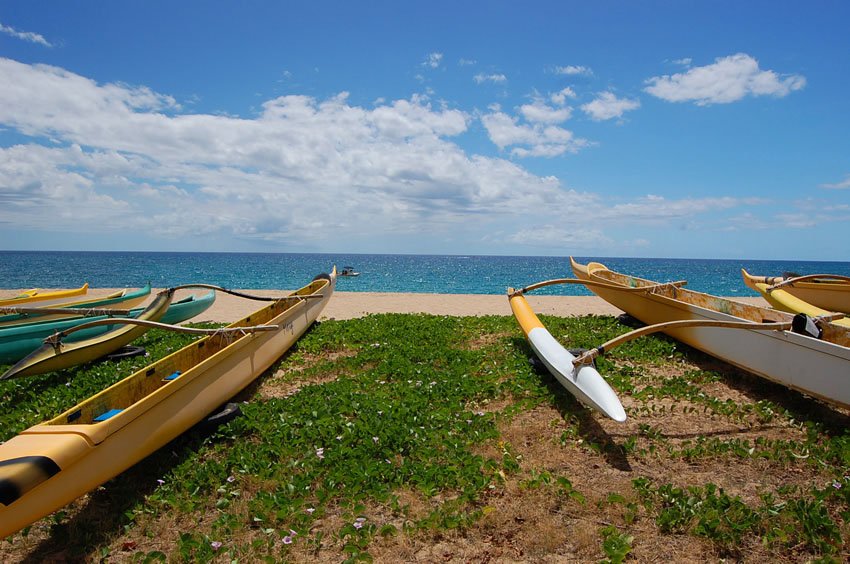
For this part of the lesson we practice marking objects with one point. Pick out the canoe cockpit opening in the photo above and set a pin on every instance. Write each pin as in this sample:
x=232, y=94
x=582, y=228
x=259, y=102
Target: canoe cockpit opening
x=136, y=387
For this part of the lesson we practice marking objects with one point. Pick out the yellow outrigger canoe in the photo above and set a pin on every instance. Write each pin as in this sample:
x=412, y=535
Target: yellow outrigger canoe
x=36, y=295
x=813, y=295
x=57, y=309
x=49, y=465
x=767, y=342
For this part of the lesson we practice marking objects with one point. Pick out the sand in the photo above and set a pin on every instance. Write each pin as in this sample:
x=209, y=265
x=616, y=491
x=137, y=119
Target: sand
x=349, y=305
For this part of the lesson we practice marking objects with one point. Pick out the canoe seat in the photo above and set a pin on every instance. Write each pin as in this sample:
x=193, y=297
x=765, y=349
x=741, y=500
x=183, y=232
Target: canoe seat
x=107, y=415
x=173, y=376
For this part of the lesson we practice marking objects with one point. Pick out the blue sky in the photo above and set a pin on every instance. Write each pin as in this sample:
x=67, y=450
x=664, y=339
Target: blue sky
x=651, y=129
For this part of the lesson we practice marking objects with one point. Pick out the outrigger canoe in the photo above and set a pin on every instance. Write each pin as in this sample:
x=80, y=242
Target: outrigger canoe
x=59, y=352
x=36, y=295
x=20, y=340
x=764, y=341
x=823, y=291
x=123, y=299
x=51, y=464
x=584, y=382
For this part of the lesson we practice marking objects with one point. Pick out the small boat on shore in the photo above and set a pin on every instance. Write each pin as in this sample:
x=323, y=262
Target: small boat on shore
x=17, y=341
x=766, y=342
x=43, y=296
x=49, y=465
x=584, y=382
x=122, y=299
x=56, y=354
x=778, y=297
x=825, y=291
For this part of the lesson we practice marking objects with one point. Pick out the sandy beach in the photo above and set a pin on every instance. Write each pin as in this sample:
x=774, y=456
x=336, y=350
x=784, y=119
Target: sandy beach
x=349, y=305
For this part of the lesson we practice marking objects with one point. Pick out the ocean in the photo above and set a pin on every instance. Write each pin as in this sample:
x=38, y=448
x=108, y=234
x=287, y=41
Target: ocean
x=378, y=273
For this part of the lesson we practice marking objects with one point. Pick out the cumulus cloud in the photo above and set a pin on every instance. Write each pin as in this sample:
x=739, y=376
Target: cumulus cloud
x=530, y=140
x=116, y=158
x=728, y=79
x=124, y=156
x=540, y=112
x=561, y=96
x=27, y=36
x=607, y=106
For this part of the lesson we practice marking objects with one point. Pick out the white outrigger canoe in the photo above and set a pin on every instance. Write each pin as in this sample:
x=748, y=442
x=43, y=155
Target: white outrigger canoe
x=584, y=382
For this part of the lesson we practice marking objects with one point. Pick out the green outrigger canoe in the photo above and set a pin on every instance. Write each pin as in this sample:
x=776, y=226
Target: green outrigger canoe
x=18, y=341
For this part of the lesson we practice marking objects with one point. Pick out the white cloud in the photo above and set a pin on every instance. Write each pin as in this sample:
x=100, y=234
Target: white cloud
x=24, y=35
x=607, y=106
x=572, y=70
x=433, y=60
x=466, y=62
x=561, y=96
x=559, y=237
x=842, y=185
x=304, y=173
x=540, y=112
x=535, y=140
x=728, y=79
x=654, y=209
x=109, y=156
x=496, y=78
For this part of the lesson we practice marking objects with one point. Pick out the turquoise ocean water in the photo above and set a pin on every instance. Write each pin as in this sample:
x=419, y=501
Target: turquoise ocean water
x=378, y=273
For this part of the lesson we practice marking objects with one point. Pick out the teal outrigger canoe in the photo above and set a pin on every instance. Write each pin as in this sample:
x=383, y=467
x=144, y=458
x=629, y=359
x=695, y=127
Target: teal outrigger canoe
x=16, y=342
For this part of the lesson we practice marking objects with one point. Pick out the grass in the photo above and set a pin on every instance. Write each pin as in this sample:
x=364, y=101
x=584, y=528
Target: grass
x=416, y=437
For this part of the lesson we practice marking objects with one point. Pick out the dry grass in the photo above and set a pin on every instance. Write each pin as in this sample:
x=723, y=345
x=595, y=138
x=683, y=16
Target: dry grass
x=521, y=521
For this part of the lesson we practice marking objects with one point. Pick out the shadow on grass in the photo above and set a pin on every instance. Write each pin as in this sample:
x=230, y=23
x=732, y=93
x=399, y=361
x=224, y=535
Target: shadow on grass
x=801, y=407
x=570, y=408
x=105, y=514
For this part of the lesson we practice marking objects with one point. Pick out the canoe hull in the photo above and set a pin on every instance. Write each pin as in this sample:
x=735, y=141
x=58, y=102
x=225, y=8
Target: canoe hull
x=828, y=295
x=124, y=299
x=43, y=297
x=818, y=368
x=586, y=384
x=18, y=342
x=89, y=454
x=788, y=298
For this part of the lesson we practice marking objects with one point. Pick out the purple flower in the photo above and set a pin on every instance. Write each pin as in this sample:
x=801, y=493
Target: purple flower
x=287, y=539
x=230, y=479
x=836, y=485
x=320, y=452
x=160, y=481
x=215, y=545
x=358, y=523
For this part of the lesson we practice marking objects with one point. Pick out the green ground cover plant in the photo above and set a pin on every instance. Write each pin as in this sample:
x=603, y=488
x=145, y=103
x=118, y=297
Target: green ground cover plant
x=417, y=437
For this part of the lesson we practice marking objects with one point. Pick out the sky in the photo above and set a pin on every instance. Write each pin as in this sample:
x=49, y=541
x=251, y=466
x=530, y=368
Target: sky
x=668, y=129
